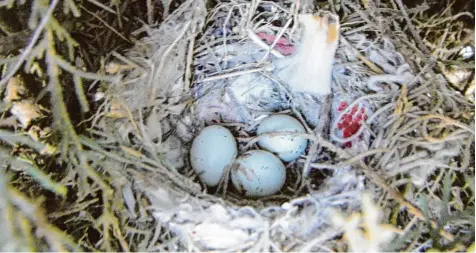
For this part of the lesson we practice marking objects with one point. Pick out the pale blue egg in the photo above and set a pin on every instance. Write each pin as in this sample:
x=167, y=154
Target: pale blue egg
x=258, y=173
x=287, y=147
x=212, y=151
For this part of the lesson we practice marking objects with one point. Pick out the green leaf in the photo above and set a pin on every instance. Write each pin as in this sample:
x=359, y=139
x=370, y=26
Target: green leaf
x=447, y=183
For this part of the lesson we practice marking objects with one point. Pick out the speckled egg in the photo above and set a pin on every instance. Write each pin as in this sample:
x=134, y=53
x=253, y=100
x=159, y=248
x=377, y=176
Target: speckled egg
x=258, y=173
x=213, y=149
x=287, y=147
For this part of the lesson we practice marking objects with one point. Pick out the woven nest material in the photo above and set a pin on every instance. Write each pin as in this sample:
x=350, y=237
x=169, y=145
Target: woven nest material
x=175, y=87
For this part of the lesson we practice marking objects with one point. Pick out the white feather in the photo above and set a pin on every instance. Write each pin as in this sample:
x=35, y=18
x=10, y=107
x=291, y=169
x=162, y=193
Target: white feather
x=310, y=69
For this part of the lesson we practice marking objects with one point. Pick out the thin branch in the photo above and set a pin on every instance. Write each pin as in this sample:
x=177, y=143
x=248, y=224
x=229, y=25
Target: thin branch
x=31, y=44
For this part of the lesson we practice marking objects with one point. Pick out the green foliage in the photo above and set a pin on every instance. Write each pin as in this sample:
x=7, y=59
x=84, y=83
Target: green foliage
x=446, y=217
x=48, y=37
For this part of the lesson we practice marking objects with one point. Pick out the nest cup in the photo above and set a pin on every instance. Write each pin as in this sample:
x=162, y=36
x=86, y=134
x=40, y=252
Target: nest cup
x=180, y=81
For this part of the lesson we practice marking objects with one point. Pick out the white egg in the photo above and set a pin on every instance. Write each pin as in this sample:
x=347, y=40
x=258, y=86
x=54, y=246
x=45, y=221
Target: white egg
x=287, y=147
x=258, y=173
x=212, y=151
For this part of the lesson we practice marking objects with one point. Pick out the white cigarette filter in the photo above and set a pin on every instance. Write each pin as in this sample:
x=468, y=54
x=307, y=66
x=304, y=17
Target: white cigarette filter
x=310, y=69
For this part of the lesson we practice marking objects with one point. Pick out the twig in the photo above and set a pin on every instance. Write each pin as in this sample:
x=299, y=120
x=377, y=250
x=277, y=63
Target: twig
x=163, y=60
x=87, y=75
x=54, y=237
x=150, y=12
x=189, y=62
x=105, y=7
x=380, y=182
x=361, y=57
x=233, y=74
x=349, y=161
x=31, y=44
x=260, y=43
x=401, y=200
x=416, y=36
x=107, y=25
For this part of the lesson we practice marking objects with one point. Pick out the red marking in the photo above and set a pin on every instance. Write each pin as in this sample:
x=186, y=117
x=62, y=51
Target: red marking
x=285, y=50
x=270, y=39
x=283, y=45
x=342, y=106
x=351, y=122
x=347, y=117
x=347, y=133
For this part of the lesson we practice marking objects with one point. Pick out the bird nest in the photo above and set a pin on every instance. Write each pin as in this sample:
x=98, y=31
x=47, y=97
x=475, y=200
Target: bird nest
x=399, y=180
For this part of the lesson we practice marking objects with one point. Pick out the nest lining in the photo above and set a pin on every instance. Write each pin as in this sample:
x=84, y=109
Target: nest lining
x=167, y=117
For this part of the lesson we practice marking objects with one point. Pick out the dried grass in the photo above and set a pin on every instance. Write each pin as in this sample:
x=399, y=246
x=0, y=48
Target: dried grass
x=414, y=171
